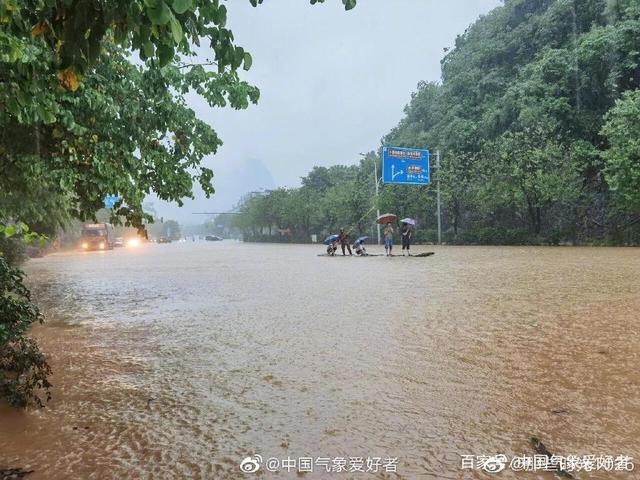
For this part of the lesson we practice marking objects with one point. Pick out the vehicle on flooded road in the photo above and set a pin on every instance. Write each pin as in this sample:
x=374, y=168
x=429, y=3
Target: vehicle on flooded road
x=97, y=236
x=213, y=238
x=134, y=242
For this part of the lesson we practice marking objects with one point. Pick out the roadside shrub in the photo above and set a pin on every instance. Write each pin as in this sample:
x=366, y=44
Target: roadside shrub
x=23, y=368
x=13, y=249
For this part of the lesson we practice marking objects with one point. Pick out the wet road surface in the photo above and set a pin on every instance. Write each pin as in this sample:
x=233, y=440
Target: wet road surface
x=179, y=360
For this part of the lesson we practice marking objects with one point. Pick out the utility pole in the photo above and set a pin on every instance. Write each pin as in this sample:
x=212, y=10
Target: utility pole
x=438, y=197
x=375, y=179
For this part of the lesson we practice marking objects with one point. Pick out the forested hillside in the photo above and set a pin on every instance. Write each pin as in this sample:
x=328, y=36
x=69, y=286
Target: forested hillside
x=537, y=115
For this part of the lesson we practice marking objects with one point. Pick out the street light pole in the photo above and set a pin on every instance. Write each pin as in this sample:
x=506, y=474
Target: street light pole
x=375, y=179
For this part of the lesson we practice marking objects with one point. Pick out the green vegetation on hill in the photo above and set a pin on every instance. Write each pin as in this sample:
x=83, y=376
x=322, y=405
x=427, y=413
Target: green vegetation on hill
x=537, y=117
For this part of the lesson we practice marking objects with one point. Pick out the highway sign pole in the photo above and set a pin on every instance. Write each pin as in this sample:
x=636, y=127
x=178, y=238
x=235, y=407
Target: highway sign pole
x=375, y=173
x=438, y=196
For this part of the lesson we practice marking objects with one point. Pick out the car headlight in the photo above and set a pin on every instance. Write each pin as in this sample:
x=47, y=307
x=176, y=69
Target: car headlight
x=133, y=242
x=101, y=244
x=85, y=245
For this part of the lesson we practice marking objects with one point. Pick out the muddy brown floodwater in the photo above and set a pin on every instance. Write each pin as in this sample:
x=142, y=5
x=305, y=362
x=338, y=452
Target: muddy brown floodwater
x=178, y=361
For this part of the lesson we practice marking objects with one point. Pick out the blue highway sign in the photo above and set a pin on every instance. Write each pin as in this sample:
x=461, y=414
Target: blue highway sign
x=405, y=166
x=110, y=201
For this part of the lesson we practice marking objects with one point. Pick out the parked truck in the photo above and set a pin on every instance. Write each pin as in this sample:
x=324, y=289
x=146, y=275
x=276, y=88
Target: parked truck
x=97, y=236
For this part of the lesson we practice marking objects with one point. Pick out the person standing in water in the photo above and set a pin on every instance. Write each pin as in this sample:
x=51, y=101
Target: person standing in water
x=406, y=238
x=388, y=239
x=344, y=240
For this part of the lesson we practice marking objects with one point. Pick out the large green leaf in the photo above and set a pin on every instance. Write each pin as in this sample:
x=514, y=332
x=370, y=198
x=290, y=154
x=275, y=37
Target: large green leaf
x=176, y=29
x=181, y=6
x=349, y=4
x=221, y=16
x=248, y=61
x=159, y=13
x=10, y=231
x=165, y=54
x=148, y=49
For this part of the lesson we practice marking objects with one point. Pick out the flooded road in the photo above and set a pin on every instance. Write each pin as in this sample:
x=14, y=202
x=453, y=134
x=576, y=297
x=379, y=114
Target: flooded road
x=178, y=361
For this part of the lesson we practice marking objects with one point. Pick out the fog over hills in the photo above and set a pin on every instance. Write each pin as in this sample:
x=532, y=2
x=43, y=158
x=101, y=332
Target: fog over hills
x=233, y=178
x=332, y=84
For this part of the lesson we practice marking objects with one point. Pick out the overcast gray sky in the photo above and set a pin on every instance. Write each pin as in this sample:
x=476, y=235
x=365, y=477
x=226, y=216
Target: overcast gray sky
x=332, y=83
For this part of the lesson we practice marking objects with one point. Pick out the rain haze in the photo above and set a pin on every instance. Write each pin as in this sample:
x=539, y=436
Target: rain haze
x=332, y=83
x=471, y=314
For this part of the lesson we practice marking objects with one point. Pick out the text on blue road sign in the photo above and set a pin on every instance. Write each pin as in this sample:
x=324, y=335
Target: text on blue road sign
x=405, y=166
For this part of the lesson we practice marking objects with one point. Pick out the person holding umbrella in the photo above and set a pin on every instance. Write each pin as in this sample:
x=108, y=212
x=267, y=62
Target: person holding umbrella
x=388, y=239
x=406, y=238
x=332, y=244
x=407, y=234
x=358, y=246
x=386, y=219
